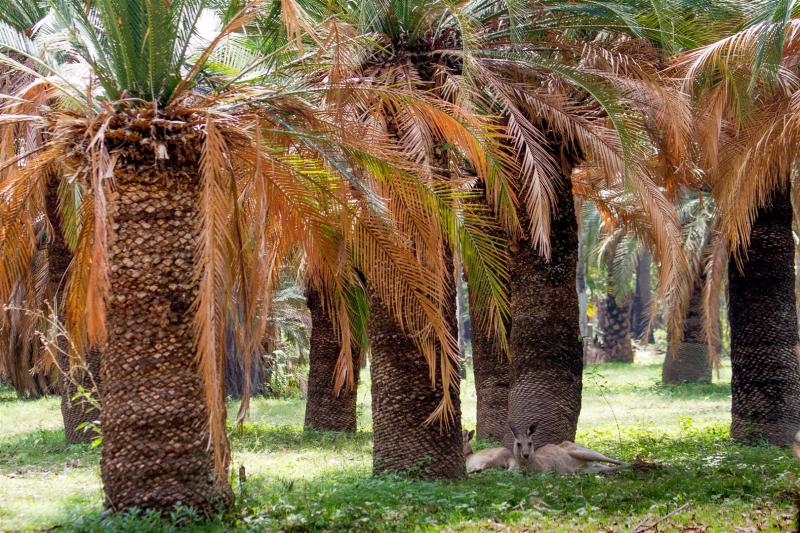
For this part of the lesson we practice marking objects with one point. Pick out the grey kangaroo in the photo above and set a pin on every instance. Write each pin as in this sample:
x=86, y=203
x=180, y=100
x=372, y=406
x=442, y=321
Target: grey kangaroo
x=565, y=458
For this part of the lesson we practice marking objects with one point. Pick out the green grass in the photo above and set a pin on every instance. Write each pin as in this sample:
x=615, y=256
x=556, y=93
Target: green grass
x=321, y=481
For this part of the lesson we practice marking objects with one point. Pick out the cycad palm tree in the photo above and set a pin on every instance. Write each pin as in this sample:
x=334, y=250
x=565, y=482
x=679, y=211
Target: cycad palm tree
x=330, y=402
x=211, y=191
x=746, y=87
x=446, y=138
x=526, y=67
x=326, y=408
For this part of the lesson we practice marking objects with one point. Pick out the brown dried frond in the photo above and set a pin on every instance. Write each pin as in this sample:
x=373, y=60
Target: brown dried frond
x=213, y=278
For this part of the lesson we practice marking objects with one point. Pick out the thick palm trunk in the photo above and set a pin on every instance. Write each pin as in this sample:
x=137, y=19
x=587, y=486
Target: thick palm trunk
x=79, y=414
x=77, y=409
x=766, y=379
x=547, y=358
x=616, y=326
x=402, y=400
x=326, y=410
x=156, y=451
x=492, y=379
x=689, y=361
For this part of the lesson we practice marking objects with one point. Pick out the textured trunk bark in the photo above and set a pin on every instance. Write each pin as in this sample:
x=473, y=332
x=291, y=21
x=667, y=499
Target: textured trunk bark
x=75, y=411
x=766, y=379
x=402, y=399
x=640, y=308
x=461, y=316
x=156, y=451
x=492, y=379
x=547, y=358
x=689, y=362
x=326, y=410
x=617, y=345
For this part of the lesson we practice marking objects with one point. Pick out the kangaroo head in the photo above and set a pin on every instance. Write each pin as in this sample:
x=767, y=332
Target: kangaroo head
x=523, y=443
x=467, y=437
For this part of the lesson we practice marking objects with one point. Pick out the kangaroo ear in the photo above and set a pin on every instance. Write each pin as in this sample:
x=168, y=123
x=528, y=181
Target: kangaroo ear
x=470, y=434
x=513, y=431
x=532, y=429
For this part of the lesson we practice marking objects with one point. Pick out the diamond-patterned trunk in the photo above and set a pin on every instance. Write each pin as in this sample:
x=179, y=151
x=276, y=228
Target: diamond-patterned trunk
x=491, y=367
x=156, y=451
x=765, y=386
x=690, y=362
x=492, y=380
x=616, y=326
x=326, y=410
x=546, y=351
x=402, y=400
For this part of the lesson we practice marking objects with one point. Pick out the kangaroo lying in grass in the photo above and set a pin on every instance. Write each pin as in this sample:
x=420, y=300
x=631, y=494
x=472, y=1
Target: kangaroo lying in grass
x=565, y=458
x=490, y=458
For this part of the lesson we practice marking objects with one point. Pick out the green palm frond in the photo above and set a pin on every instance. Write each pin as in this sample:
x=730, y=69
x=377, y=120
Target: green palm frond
x=23, y=15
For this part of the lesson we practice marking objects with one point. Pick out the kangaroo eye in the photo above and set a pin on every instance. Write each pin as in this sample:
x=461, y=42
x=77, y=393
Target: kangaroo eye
x=519, y=445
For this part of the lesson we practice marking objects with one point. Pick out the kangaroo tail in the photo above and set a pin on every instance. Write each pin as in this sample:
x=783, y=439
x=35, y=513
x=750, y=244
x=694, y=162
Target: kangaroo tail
x=591, y=455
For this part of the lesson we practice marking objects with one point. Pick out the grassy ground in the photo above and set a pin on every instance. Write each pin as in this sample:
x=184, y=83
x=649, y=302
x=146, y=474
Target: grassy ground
x=316, y=481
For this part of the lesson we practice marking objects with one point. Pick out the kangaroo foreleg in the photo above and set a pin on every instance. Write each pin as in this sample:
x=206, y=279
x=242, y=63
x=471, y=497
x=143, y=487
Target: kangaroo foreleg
x=513, y=464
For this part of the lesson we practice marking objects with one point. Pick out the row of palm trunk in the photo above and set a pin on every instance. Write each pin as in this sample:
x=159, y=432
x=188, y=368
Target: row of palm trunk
x=542, y=382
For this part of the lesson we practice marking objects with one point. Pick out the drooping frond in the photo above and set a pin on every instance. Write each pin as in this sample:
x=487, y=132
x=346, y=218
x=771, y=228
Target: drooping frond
x=212, y=276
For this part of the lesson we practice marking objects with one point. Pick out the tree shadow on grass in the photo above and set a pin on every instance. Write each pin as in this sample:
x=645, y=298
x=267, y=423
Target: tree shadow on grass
x=7, y=395
x=701, y=468
x=704, y=471
x=262, y=437
x=43, y=449
x=691, y=391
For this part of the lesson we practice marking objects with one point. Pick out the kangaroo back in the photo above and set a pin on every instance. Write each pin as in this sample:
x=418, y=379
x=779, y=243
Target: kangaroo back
x=491, y=458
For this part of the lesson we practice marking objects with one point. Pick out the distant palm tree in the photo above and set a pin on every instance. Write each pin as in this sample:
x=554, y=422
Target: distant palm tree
x=688, y=358
x=612, y=252
x=616, y=249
